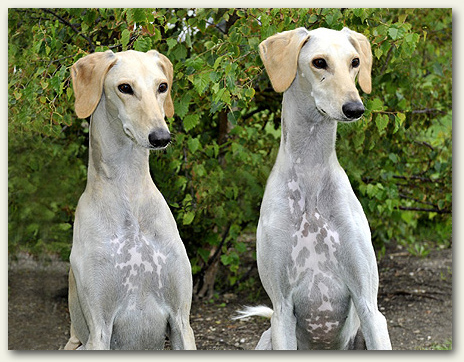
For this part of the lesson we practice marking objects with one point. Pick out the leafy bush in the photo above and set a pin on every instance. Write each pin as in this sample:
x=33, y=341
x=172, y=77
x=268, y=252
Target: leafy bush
x=227, y=120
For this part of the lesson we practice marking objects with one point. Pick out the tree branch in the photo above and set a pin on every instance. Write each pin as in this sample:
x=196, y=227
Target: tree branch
x=389, y=55
x=428, y=110
x=218, y=250
x=425, y=179
x=404, y=196
x=438, y=211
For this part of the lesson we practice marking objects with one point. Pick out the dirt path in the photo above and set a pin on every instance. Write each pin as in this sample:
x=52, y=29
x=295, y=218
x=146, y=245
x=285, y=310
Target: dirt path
x=415, y=296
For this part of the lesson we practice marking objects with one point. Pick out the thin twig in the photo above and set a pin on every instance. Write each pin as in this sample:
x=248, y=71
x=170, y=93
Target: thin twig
x=389, y=55
x=414, y=199
x=438, y=211
x=419, y=178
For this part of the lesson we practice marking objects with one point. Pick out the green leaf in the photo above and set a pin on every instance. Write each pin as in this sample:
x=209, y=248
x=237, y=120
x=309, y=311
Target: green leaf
x=393, y=32
x=225, y=97
x=196, y=63
x=226, y=259
x=200, y=81
x=393, y=157
x=217, y=62
x=249, y=93
x=69, y=92
x=64, y=226
x=214, y=77
x=179, y=52
x=193, y=144
x=240, y=247
x=378, y=52
x=204, y=254
x=399, y=121
x=171, y=42
x=441, y=204
x=182, y=105
x=125, y=36
x=361, y=13
x=232, y=117
x=137, y=15
x=359, y=140
x=190, y=121
x=188, y=217
x=381, y=121
x=407, y=216
x=376, y=104
x=313, y=18
x=143, y=44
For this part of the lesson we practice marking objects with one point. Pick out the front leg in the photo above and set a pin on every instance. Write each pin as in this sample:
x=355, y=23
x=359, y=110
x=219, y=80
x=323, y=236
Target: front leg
x=373, y=325
x=283, y=326
x=363, y=285
x=181, y=334
x=265, y=342
x=91, y=319
x=359, y=268
x=73, y=342
x=273, y=251
x=75, y=311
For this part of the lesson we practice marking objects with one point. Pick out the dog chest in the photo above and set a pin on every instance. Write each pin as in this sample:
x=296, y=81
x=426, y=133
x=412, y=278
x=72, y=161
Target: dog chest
x=320, y=297
x=315, y=243
x=313, y=264
x=138, y=264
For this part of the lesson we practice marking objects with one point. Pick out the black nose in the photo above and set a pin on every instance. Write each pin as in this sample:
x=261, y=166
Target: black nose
x=159, y=138
x=353, y=110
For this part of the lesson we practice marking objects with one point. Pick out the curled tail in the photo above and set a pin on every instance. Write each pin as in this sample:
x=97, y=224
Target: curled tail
x=260, y=311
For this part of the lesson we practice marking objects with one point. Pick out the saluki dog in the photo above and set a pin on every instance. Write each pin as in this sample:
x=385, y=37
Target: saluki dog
x=130, y=282
x=314, y=252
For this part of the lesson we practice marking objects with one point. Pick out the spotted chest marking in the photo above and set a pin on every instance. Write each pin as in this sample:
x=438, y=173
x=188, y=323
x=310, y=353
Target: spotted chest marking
x=138, y=262
x=313, y=260
x=313, y=250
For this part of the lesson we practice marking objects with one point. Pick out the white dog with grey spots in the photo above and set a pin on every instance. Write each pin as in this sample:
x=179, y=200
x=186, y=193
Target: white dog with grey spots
x=130, y=282
x=314, y=251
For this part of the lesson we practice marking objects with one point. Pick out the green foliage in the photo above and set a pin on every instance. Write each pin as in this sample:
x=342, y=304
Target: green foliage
x=404, y=179
x=227, y=120
x=445, y=346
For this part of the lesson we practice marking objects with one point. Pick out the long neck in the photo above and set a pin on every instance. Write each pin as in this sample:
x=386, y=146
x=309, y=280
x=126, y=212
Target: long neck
x=113, y=157
x=308, y=138
x=307, y=156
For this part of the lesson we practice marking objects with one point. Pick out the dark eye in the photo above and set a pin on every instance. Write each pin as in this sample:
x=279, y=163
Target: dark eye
x=355, y=63
x=320, y=63
x=163, y=87
x=125, y=88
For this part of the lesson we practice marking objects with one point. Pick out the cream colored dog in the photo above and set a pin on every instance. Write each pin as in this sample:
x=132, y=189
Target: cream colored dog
x=130, y=282
x=314, y=251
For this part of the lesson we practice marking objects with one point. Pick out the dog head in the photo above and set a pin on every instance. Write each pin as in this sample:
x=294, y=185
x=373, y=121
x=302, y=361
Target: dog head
x=326, y=63
x=137, y=91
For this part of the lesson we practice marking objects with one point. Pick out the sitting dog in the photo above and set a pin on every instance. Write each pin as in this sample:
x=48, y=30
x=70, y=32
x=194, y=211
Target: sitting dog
x=130, y=282
x=314, y=251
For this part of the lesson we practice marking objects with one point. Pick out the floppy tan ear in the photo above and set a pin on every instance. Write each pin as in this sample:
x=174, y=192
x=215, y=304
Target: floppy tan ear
x=279, y=54
x=363, y=47
x=166, y=65
x=88, y=75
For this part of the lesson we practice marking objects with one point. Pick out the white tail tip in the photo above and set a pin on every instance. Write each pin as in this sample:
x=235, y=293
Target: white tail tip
x=260, y=311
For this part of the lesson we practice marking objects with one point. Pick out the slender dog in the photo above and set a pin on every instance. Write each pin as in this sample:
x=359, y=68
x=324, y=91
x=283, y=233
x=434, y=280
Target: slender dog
x=130, y=282
x=314, y=251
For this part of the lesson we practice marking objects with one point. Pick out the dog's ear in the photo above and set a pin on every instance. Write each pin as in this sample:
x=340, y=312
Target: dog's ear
x=363, y=47
x=88, y=75
x=167, y=68
x=279, y=54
